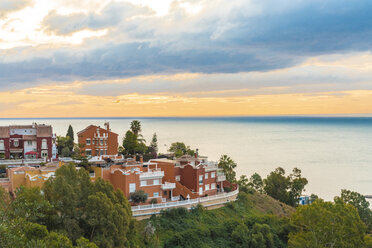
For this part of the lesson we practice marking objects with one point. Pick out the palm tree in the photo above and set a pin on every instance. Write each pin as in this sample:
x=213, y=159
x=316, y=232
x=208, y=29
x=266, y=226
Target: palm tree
x=228, y=165
x=135, y=126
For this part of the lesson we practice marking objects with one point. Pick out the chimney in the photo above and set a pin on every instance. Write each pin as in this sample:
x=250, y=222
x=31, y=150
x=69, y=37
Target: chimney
x=107, y=125
x=141, y=159
x=196, y=153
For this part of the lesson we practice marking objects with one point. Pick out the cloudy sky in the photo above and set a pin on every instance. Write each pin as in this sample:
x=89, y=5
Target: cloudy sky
x=65, y=58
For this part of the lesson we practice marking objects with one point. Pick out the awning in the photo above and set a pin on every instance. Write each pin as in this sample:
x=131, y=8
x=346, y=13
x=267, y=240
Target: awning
x=31, y=153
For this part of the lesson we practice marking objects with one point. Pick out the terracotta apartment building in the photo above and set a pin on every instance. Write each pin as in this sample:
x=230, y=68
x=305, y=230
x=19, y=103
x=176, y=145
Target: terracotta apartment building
x=97, y=141
x=166, y=180
x=27, y=141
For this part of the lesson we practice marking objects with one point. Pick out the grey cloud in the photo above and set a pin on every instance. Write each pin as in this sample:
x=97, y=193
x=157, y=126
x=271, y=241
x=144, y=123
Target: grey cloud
x=226, y=37
x=7, y=6
x=110, y=16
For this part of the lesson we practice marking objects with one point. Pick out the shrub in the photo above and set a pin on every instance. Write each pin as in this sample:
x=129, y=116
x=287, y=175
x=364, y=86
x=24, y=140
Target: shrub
x=138, y=196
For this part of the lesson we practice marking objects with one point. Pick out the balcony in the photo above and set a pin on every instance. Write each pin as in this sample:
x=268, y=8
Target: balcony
x=211, y=166
x=168, y=186
x=221, y=177
x=152, y=174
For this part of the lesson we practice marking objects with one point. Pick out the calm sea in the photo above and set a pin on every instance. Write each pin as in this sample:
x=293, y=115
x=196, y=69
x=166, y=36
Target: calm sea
x=333, y=153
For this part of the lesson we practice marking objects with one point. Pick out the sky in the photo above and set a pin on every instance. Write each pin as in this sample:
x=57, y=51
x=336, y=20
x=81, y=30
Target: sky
x=101, y=58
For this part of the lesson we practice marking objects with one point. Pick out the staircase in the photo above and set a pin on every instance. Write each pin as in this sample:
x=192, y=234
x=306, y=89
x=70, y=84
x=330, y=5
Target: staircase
x=183, y=190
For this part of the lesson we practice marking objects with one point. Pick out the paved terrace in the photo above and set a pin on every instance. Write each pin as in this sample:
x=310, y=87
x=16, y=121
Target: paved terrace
x=210, y=202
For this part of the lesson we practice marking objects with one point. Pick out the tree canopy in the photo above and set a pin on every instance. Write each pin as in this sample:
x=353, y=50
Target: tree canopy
x=287, y=189
x=326, y=224
x=70, y=133
x=228, y=166
x=179, y=149
x=360, y=203
x=133, y=142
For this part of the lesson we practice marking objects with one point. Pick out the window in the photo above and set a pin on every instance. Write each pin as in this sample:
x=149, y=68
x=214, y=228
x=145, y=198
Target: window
x=29, y=142
x=19, y=172
x=44, y=144
x=88, y=152
x=200, y=190
x=213, y=186
x=16, y=143
x=156, y=182
x=143, y=183
x=2, y=145
x=206, y=176
x=178, y=178
x=97, y=152
x=201, y=179
x=101, y=142
x=93, y=141
x=88, y=142
x=156, y=194
x=213, y=174
x=132, y=187
x=106, y=142
x=207, y=187
x=101, y=152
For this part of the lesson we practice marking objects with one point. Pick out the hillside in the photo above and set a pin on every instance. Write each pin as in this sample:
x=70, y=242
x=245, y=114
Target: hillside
x=267, y=205
x=256, y=217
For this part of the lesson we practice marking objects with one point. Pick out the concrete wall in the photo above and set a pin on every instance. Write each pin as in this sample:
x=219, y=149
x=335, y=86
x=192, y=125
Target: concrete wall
x=212, y=202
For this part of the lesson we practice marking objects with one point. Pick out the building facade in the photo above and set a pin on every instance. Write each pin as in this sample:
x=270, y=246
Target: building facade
x=27, y=141
x=97, y=141
x=133, y=176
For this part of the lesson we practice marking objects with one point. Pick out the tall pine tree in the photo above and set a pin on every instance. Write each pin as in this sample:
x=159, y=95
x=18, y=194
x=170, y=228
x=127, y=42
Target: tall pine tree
x=70, y=138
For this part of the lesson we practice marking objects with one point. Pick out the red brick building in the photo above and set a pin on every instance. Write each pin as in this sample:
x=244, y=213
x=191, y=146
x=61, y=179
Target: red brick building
x=166, y=180
x=133, y=176
x=97, y=141
x=196, y=173
x=27, y=141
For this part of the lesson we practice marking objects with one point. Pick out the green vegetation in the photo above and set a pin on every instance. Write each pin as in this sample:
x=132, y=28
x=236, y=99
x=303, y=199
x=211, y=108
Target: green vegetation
x=228, y=166
x=360, y=203
x=71, y=210
x=138, y=197
x=133, y=142
x=179, y=149
x=154, y=144
x=285, y=189
x=326, y=224
x=239, y=224
x=65, y=145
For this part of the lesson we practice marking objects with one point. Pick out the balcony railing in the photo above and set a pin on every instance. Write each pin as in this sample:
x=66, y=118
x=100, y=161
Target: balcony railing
x=21, y=161
x=152, y=174
x=167, y=186
x=183, y=203
x=221, y=178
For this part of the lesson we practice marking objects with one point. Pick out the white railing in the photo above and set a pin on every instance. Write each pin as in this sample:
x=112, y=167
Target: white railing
x=221, y=178
x=185, y=202
x=21, y=161
x=211, y=166
x=167, y=185
x=151, y=174
x=176, y=198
